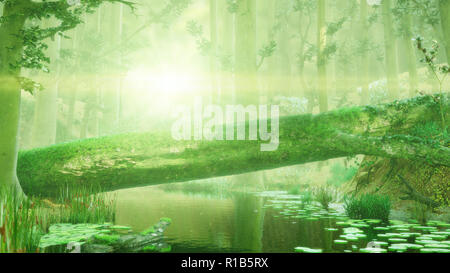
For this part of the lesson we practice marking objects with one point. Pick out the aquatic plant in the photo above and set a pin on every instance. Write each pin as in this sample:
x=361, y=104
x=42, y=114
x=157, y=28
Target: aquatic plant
x=80, y=204
x=368, y=206
x=324, y=196
x=307, y=197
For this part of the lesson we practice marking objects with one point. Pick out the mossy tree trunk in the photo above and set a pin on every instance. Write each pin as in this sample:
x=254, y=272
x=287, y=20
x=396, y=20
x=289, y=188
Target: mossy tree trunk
x=134, y=160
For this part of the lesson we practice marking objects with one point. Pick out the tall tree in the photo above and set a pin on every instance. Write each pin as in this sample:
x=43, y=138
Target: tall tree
x=215, y=92
x=226, y=25
x=321, y=58
x=245, y=57
x=45, y=112
x=390, y=45
x=364, y=27
x=444, y=10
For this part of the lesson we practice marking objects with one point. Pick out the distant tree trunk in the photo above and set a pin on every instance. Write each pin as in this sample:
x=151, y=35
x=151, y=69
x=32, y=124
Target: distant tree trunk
x=364, y=27
x=390, y=43
x=321, y=58
x=444, y=9
x=284, y=70
x=245, y=59
x=411, y=55
x=10, y=92
x=45, y=113
x=215, y=91
x=111, y=95
x=226, y=41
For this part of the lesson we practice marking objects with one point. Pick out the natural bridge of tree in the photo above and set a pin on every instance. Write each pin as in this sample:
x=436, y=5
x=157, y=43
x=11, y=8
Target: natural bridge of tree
x=142, y=159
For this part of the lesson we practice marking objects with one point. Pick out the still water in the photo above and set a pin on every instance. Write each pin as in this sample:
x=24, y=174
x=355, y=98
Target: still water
x=236, y=223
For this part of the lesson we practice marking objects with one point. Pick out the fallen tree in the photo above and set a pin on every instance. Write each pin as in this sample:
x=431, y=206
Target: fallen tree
x=142, y=159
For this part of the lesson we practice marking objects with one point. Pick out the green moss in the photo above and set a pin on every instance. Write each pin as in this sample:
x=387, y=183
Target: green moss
x=107, y=239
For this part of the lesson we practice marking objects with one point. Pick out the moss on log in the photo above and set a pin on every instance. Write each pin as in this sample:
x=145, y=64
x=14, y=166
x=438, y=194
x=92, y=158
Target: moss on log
x=142, y=159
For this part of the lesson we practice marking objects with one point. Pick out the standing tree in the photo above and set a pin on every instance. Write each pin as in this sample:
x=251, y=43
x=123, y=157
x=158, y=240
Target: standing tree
x=22, y=46
x=321, y=58
x=390, y=43
x=245, y=57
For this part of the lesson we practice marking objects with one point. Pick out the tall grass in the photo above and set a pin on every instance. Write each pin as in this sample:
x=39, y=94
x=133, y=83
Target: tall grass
x=80, y=204
x=23, y=222
x=19, y=224
x=324, y=196
x=368, y=206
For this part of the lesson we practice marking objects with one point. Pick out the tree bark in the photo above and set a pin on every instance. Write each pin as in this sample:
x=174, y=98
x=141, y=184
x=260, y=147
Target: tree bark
x=134, y=160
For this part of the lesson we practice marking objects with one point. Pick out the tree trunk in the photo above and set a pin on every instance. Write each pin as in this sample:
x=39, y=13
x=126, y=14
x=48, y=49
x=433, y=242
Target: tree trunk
x=45, y=115
x=226, y=27
x=215, y=91
x=10, y=92
x=411, y=56
x=390, y=44
x=111, y=95
x=444, y=9
x=133, y=160
x=321, y=58
x=364, y=28
x=245, y=59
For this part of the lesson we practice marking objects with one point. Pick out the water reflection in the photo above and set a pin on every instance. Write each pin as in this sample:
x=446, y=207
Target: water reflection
x=239, y=223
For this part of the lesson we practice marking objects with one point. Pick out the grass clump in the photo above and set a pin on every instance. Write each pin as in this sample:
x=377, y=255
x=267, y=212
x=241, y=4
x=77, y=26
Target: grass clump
x=77, y=205
x=368, y=206
x=324, y=196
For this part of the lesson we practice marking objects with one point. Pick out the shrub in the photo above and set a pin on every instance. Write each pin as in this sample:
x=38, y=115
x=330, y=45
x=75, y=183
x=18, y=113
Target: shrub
x=368, y=206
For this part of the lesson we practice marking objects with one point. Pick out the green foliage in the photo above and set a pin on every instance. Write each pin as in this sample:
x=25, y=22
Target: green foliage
x=368, y=206
x=341, y=174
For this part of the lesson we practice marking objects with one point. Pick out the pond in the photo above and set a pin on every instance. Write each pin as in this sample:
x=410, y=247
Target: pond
x=269, y=222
